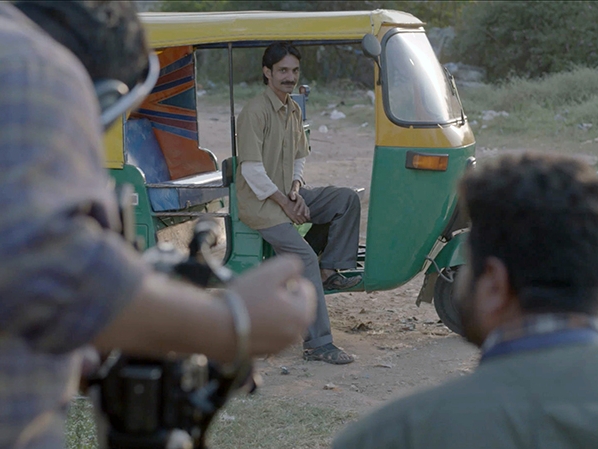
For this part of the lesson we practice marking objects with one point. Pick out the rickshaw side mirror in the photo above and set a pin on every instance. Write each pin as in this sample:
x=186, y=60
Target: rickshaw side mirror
x=371, y=47
x=301, y=99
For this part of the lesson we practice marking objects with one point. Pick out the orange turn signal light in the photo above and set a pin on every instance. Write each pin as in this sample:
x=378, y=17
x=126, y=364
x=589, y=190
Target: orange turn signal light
x=422, y=161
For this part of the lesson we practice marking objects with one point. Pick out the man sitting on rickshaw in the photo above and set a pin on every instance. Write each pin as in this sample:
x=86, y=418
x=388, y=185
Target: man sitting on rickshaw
x=272, y=148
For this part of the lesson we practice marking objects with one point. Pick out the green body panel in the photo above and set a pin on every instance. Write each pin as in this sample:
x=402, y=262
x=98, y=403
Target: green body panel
x=408, y=210
x=145, y=223
x=245, y=245
x=451, y=255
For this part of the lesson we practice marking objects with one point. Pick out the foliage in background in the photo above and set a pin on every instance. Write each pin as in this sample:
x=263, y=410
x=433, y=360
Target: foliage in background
x=319, y=65
x=527, y=39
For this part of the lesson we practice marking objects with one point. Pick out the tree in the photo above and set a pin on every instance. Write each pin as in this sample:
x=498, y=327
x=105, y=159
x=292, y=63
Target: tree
x=528, y=39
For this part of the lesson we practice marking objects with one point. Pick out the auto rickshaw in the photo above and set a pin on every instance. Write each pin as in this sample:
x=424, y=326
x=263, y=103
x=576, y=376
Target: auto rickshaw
x=423, y=143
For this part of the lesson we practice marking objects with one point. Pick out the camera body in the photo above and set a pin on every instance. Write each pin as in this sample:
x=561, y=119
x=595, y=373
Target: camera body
x=159, y=403
x=168, y=403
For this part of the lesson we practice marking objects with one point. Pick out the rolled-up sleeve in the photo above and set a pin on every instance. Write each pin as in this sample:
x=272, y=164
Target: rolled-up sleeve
x=258, y=180
x=63, y=273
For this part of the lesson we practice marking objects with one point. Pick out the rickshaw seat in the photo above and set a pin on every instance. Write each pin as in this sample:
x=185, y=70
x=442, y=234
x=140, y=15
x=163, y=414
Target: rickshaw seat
x=143, y=150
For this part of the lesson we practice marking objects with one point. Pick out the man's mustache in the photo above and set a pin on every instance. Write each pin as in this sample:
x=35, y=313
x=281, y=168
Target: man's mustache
x=288, y=83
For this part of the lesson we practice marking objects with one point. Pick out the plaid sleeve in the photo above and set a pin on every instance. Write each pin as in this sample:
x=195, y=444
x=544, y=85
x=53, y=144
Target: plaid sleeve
x=63, y=274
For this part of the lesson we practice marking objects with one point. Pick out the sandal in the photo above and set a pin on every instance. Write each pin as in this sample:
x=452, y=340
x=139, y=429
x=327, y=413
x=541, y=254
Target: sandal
x=328, y=353
x=337, y=281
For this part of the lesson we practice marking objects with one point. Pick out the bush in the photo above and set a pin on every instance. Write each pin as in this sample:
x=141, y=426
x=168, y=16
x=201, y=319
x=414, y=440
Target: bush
x=527, y=39
x=558, y=112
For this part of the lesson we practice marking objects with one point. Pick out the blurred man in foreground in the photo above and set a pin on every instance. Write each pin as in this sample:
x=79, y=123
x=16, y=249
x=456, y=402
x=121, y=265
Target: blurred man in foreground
x=67, y=279
x=529, y=300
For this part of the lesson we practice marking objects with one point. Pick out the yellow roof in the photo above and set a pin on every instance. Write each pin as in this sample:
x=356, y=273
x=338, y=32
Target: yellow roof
x=174, y=29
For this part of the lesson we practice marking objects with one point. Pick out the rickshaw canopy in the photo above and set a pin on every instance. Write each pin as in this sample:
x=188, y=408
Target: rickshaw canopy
x=175, y=29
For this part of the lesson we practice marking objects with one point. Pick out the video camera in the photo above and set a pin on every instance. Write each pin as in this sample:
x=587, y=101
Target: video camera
x=167, y=403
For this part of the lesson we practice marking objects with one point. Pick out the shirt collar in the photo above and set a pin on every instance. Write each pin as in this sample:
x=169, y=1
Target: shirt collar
x=275, y=101
x=533, y=325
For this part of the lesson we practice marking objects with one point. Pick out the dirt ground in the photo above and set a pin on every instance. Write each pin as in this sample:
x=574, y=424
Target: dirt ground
x=398, y=347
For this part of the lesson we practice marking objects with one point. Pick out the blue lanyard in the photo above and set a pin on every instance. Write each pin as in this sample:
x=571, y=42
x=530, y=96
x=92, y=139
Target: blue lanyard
x=540, y=341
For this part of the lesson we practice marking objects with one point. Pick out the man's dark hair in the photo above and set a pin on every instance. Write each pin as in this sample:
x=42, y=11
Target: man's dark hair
x=538, y=214
x=274, y=54
x=106, y=36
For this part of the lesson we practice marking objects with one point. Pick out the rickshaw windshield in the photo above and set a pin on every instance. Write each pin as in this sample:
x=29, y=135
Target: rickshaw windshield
x=417, y=91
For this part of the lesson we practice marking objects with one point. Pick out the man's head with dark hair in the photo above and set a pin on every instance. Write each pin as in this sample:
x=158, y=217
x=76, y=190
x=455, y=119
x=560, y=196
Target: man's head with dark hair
x=275, y=52
x=106, y=36
x=534, y=224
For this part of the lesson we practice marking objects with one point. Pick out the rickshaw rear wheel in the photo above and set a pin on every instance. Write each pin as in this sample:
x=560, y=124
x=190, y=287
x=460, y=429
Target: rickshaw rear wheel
x=445, y=301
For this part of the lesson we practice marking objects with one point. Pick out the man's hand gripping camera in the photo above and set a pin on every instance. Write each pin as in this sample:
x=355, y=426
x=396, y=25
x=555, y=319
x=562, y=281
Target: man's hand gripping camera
x=170, y=403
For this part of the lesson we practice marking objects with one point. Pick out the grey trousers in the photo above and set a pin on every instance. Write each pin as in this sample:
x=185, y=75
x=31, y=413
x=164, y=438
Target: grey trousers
x=340, y=208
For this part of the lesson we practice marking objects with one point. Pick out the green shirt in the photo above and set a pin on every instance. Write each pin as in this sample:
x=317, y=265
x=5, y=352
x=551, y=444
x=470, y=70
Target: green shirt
x=270, y=132
x=540, y=399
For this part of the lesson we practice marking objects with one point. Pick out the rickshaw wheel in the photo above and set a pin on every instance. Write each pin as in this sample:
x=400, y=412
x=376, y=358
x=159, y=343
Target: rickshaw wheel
x=445, y=302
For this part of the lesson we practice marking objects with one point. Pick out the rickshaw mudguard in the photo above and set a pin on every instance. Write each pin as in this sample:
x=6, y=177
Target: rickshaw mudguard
x=451, y=255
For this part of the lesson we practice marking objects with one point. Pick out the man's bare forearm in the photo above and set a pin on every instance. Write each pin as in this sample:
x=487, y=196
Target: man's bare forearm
x=281, y=199
x=171, y=316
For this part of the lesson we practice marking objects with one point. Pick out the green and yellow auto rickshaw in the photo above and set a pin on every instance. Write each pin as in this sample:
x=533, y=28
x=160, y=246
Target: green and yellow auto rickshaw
x=423, y=143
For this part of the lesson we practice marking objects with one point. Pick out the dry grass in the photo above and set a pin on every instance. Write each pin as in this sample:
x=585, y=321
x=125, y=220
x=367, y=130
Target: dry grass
x=276, y=423
x=245, y=422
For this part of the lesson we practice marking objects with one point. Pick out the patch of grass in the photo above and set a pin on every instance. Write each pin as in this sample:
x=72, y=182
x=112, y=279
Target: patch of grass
x=276, y=423
x=559, y=112
x=80, y=425
x=245, y=422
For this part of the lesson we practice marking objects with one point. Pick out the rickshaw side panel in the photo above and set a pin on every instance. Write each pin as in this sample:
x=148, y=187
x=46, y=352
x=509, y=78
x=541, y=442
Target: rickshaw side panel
x=171, y=108
x=245, y=246
x=408, y=210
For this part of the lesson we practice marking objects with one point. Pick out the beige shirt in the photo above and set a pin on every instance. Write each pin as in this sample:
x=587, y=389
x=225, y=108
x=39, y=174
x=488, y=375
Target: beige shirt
x=269, y=132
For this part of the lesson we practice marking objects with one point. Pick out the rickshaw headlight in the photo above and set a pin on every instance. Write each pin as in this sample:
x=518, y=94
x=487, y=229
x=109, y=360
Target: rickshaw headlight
x=422, y=161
